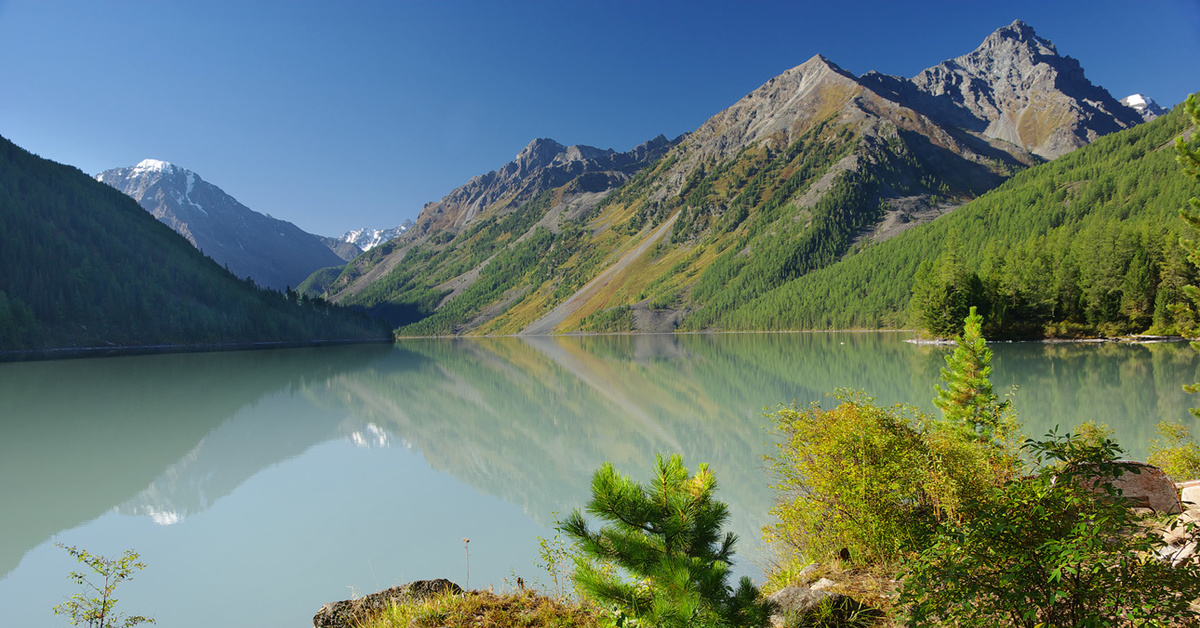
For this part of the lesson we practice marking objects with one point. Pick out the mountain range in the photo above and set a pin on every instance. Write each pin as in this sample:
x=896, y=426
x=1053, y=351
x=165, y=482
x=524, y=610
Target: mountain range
x=86, y=267
x=274, y=253
x=813, y=166
x=368, y=238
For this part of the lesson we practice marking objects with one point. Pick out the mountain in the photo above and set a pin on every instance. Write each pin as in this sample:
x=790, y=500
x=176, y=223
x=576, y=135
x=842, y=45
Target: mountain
x=542, y=166
x=815, y=165
x=1086, y=244
x=274, y=253
x=1144, y=105
x=367, y=239
x=85, y=266
x=1014, y=87
x=345, y=250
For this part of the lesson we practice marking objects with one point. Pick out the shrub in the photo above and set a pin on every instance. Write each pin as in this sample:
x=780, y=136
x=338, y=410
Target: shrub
x=94, y=607
x=667, y=536
x=1175, y=452
x=849, y=478
x=1049, y=550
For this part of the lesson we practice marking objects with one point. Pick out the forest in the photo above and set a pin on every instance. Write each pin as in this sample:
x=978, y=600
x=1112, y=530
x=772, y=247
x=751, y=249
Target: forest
x=1087, y=244
x=84, y=266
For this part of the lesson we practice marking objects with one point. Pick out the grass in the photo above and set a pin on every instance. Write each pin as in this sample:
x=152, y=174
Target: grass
x=484, y=609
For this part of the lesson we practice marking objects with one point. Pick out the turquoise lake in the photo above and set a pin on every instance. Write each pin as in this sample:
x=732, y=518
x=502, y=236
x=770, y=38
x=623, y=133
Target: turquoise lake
x=259, y=485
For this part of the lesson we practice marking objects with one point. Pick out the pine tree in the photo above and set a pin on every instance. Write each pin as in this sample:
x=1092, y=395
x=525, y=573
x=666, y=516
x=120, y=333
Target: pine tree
x=1188, y=152
x=968, y=402
x=667, y=536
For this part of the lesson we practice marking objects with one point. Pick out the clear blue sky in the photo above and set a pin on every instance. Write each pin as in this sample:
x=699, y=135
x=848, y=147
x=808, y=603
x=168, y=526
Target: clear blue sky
x=349, y=114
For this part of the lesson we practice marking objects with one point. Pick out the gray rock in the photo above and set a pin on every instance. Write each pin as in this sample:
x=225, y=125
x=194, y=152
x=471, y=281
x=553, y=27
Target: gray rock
x=350, y=613
x=1189, y=494
x=823, y=583
x=799, y=605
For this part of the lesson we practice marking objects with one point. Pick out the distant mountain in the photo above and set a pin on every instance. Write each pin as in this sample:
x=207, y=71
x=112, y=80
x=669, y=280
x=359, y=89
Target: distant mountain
x=345, y=250
x=540, y=167
x=1144, y=105
x=85, y=266
x=367, y=239
x=274, y=253
x=814, y=166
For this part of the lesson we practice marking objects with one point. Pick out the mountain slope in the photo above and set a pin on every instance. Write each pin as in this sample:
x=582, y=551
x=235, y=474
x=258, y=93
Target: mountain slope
x=1085, y=244
x=82, y=265
x=274, y=253
x=813, y=166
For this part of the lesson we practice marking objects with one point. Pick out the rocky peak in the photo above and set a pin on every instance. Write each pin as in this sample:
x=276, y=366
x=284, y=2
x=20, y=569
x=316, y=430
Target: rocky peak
x=1144, y=106
x=543, y=164
x=538, y=154
x=1014, y=87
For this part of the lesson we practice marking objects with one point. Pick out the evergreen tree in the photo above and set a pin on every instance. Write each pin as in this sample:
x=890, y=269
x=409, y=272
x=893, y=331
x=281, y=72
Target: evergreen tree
x=667, y=536
x=1189, y=156
x=967, y=402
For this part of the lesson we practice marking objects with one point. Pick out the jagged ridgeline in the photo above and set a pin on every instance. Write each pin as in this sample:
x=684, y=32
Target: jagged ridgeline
x=82, y=265
x=814, y=166
x=1087, y=243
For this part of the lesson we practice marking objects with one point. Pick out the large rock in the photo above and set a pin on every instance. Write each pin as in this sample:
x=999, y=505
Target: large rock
x=798, y=605
x=1189, y=494
x=351, y=613
x=1149, y=487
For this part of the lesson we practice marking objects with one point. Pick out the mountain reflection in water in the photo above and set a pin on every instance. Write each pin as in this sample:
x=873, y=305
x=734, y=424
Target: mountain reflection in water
x=487, y=436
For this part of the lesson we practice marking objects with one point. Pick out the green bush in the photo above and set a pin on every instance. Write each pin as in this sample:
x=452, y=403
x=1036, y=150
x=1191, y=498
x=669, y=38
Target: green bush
x=94, y=607
x=667, y=536
x=1053, y=549
x=849, y=478
x=869, y=484
x=1175, y=452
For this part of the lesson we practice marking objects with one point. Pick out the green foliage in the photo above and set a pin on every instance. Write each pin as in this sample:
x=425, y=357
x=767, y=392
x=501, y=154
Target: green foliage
x=553, y=556
x=945, y=292
x=1188, y=155
x=616, y=319
x=1059, y=548
x=850, y=478
x=1175, y=452
x=967, y=402
x=666, y=535
x=869, y=483
x=1086, y=243
x=94, y=607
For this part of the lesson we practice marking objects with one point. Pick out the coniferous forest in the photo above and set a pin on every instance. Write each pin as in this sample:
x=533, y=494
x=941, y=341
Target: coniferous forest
x=1086, y=244
x=82, y=265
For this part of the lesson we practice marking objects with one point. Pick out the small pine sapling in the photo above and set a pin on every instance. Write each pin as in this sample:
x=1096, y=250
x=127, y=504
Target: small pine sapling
x=666, y=535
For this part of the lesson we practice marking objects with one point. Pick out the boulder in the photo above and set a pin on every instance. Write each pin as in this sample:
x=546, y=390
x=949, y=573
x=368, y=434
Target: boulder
x=1145, y=486
x=351, y=613
x=802, y=605
x=1189, y=494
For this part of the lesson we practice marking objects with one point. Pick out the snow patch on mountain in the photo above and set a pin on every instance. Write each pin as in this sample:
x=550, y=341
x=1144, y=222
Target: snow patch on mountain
x=368, y=238
x=1144, y=105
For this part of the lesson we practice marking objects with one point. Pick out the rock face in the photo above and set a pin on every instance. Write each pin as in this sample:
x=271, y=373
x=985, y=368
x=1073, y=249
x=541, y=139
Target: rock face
x=352, y=613
x=274, y=253
x=542, y=165
x=1014, y=87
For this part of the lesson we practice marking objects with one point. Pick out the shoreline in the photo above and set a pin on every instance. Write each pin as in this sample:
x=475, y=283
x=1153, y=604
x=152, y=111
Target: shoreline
x=66, y=353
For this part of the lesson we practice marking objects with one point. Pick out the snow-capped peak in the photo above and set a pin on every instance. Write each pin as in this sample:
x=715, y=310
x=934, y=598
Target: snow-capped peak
x=1144, y=105
x=152, y=165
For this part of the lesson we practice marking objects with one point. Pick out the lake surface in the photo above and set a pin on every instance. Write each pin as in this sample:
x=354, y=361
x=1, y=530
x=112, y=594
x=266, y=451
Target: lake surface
x=259, y=485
